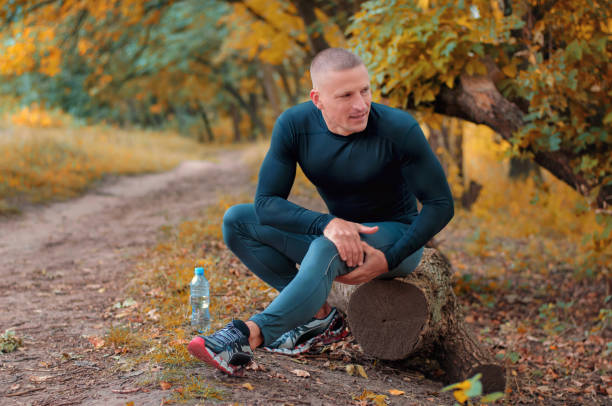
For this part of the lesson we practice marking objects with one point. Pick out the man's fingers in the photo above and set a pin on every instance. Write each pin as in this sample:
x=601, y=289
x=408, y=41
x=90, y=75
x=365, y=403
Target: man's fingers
x=341, y=251
x=366, y=247
x=367, y=230
x=358, y=253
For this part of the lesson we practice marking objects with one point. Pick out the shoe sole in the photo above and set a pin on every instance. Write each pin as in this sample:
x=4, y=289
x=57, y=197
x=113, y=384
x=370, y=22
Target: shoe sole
x=324, y=338
x=197, y=348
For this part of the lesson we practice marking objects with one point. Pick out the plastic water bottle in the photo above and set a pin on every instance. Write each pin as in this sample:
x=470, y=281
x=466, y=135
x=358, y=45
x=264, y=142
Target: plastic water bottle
x=200, y=300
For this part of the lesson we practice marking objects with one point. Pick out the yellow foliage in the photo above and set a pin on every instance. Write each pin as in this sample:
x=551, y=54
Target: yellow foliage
x=542, y=214
x=35, y=116
x=48, y=163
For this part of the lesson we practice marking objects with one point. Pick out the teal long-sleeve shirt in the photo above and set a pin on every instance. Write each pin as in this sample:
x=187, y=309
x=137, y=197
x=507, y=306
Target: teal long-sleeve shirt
x=374, y=175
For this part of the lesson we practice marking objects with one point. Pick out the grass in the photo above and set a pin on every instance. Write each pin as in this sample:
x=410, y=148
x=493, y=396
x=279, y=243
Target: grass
x=42, y=164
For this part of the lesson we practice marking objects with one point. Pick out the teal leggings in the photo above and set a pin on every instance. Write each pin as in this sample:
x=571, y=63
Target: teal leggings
x=272, y=254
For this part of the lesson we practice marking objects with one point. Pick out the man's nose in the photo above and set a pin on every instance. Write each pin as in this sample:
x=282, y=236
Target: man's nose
x=360, y=103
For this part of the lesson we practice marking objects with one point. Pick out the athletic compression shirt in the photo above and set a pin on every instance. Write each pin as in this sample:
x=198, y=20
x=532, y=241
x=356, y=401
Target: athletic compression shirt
x=370, y=176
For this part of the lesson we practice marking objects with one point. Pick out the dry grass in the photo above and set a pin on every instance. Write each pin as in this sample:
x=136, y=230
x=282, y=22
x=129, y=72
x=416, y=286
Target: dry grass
x=41, y=164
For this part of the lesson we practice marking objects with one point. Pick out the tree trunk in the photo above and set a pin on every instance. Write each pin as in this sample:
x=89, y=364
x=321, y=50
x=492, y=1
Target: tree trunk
x=207, y=126
x=314, y=28
x=291, y=97
x=417, y=314
x=253, y=111
x=521, y=168
x=270, y=88
x=235, y=112
x=476, y=99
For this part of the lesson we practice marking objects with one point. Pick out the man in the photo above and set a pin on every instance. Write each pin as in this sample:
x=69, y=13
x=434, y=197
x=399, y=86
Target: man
x=368, y=162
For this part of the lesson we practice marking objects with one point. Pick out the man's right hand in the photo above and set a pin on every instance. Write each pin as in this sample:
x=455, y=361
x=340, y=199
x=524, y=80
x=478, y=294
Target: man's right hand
x=345, y=236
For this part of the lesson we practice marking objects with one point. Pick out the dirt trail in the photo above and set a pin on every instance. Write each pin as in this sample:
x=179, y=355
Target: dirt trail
x=62, y=265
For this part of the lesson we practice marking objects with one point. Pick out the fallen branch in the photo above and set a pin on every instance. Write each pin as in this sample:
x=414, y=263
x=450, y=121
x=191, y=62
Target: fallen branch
x=25, y=392
x=125, y=391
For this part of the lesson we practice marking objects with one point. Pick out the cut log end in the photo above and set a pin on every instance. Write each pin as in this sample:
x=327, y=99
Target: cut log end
x=419, y=313
x=387, y=318
x=493, y=377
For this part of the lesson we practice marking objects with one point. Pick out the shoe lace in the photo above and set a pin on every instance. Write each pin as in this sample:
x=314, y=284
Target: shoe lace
x=228, y=334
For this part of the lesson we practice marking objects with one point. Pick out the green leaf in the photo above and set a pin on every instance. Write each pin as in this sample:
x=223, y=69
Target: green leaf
x=492, y=397
x=554, y=142
x=607, y=230
x=573, y=52
x=514, y=357
x=475, y=388
x=479, y=49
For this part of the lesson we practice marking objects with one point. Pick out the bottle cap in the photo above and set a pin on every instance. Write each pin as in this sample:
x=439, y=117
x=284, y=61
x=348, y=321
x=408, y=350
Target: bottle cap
x=199, y=271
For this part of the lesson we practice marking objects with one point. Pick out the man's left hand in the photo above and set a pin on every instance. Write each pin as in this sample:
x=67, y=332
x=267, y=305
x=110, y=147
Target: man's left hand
x=375, y=264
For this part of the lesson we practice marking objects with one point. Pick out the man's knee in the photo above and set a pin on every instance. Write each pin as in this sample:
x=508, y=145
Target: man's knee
x=234, y=218
x=322, y=247
x=324, y=256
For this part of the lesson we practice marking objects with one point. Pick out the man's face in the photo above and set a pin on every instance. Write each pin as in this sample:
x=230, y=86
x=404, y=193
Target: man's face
x=344, y=98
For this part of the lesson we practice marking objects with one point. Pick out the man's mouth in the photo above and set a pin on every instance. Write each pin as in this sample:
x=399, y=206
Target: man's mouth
x=359, y=116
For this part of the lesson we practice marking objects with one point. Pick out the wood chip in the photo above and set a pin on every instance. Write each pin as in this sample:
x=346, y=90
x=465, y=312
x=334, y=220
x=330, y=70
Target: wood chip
x=301, y=373
x=125, y=391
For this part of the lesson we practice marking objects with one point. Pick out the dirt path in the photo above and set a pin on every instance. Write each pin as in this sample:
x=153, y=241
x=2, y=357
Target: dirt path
x=62, y=265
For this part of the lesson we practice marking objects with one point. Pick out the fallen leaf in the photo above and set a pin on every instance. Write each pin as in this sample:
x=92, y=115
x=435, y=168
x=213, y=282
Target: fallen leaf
x=361, y=371
x=254, y=366
x=352, y=369
x=279, y=376
x=396, y=392
x=97, y=342
x=153, y=315
x=15, y=387
x=300, y=372
x=378, y=400
x=40, y=379
x=165, y=385
x=130, y=403
x=247, y=386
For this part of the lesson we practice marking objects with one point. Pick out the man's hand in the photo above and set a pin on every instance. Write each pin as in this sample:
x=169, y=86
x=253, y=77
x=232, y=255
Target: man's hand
x=375, y=264
x=345, y=236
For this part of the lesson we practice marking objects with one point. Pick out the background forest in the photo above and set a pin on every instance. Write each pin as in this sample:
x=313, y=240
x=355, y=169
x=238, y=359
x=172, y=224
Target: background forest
x=514, y=96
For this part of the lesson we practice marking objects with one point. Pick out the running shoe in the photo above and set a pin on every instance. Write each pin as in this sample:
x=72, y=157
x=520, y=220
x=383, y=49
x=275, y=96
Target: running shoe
x=227, y=349
x=299, y=340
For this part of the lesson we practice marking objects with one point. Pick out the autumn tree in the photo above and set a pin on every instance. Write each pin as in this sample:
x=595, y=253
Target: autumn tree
x=537, y=72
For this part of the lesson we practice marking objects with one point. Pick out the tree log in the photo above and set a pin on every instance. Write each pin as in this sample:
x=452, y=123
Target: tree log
x=418, y=314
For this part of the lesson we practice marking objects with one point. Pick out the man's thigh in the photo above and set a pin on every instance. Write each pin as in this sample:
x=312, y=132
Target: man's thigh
x=293, y=245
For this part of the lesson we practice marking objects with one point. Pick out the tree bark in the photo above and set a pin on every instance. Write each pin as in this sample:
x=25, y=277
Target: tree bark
x=417, y=314
x=235, y=112
x=207, y=126
x=476, y=99
x=270, y=88
x=314, y=31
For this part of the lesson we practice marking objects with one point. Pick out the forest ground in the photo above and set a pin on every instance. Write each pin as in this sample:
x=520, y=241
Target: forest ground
x=64, y=268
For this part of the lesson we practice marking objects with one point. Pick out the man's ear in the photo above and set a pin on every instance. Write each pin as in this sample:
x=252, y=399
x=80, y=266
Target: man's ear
x=314, y=96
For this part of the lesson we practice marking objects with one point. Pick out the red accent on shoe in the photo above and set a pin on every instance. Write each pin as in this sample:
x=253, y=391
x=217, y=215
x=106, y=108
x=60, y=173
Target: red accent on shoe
x=197, y=348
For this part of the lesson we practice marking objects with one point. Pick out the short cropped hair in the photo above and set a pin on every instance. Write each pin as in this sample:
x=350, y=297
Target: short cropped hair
x=333, y=59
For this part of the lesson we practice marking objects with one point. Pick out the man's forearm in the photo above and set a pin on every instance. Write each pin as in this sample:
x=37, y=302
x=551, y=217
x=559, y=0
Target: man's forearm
x=431, y=219
x=278, y=212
